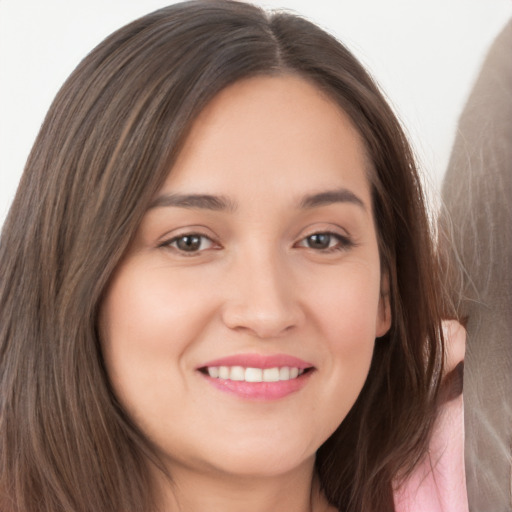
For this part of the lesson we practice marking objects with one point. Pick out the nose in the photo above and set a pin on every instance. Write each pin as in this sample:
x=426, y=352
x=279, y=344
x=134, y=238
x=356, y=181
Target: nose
x=263, y=301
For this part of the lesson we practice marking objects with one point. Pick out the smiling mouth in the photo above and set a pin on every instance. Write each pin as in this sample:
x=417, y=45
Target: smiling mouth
x=258, y=377
x=242, y=374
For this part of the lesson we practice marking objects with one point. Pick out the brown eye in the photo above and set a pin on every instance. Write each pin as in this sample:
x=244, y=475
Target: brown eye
x=319, y=241
x=189, y=243
x=326, y=242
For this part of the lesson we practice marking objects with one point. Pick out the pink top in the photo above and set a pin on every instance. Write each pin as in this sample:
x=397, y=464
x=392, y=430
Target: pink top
x=439, y=483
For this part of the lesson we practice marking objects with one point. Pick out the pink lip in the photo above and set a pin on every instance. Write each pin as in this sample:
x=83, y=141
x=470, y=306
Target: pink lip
x=260, y=391
x=260, y=361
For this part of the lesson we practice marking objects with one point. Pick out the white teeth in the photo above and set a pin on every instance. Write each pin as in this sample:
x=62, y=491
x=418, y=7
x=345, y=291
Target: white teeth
x=284, y=373
x=213, y=371
x=223, y=372
x=253, y=374
x=270, y=374
x=239, y=373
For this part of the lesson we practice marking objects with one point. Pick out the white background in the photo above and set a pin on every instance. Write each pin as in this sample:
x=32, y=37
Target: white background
x=424, y=53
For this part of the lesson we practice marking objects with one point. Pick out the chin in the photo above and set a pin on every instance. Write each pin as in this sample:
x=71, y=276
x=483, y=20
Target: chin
x=256, y=458
x=263, y=464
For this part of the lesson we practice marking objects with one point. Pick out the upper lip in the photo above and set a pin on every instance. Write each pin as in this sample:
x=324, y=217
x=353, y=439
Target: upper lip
x=259, y=361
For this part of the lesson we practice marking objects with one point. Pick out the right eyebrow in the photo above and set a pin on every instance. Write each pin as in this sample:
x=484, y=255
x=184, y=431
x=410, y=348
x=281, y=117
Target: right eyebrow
x=194, y=201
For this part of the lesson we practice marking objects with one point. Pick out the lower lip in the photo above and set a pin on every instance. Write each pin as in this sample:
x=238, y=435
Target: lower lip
x=263, y=391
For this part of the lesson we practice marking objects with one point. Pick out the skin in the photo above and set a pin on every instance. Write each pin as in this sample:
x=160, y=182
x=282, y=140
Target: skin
x=256, y=283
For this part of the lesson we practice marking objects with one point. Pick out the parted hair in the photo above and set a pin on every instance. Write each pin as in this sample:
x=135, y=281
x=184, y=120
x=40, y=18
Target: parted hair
x=107, y=144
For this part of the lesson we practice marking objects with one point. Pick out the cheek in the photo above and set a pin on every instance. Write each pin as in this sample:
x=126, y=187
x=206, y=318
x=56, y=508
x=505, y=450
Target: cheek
x=346, y=312
x=346, y=307
x=143, y=310
x=146, y=329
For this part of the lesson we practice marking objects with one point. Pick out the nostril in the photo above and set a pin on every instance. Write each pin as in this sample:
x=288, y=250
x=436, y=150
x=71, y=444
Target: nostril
x=262, y=321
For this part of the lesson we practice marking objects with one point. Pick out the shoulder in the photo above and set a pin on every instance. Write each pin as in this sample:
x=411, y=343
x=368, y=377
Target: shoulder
x=438, y=483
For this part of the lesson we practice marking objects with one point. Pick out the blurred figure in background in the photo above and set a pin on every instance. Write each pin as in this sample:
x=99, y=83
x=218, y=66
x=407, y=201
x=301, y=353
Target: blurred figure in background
x=477, y=193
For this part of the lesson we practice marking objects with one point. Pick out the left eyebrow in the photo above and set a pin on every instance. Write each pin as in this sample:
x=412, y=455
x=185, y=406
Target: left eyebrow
x=328, y=197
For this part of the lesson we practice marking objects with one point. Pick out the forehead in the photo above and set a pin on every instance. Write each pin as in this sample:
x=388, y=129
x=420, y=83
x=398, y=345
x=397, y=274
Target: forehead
x=271, y=130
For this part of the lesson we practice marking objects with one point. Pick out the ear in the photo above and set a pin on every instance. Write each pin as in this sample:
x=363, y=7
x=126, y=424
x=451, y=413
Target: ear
x=383, y=322
x=455, y=342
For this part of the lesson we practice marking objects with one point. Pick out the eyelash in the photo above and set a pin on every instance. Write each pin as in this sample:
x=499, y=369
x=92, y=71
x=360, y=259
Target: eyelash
x=343, y=243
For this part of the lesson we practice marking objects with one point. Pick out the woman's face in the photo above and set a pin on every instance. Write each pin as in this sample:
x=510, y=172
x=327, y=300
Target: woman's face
x=239, y=328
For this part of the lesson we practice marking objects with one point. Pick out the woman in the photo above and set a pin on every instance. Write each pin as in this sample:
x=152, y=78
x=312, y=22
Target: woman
x=217, y=279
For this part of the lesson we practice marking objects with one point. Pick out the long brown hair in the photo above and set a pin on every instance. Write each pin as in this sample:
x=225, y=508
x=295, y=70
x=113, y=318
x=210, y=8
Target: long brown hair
x=105, y=148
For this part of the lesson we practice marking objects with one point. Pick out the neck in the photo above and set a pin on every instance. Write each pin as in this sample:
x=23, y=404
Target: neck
x=192, y=491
